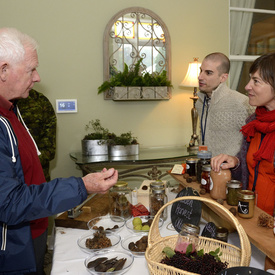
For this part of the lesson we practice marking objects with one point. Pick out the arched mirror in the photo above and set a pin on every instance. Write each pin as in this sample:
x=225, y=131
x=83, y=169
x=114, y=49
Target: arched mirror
x=132, y=34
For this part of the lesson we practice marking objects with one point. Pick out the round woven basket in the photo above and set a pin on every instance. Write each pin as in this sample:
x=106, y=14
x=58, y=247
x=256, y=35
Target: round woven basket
x=233, y=255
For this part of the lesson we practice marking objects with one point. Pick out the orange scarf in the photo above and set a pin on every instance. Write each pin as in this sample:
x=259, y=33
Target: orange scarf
x=264, y=123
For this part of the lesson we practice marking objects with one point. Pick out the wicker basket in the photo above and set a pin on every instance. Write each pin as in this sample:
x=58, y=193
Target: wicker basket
x=230, y=253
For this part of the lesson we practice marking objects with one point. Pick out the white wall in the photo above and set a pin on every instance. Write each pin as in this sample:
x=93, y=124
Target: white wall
x=70, y=34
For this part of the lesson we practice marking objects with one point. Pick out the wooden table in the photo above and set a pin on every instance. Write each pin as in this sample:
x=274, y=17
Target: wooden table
x=263, y=238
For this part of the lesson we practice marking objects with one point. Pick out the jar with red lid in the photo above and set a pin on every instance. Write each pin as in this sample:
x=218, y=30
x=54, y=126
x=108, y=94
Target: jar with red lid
x=205, y=178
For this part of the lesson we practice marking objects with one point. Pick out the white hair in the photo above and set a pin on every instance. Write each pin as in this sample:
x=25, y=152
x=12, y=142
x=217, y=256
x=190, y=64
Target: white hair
x=13, y=44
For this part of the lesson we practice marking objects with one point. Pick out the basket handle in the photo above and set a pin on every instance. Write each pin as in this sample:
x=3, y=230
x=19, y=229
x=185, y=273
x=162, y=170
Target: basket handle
x=154, y=229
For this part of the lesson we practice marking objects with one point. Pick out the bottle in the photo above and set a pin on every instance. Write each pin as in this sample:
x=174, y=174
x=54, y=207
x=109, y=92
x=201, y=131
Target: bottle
x=157, y=199
x=233, y=187
x=204, y=158
x=205, y=178
x=218, y=183
x=189, y=234
x=246, y=203
x=120, y=199
x=191, y=166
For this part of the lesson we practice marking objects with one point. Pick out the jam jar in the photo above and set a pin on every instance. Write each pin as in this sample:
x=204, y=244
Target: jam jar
x=233, y=187
x=156, y=184
x=189, y=234
x=218, y=183
x=157, y=199
x=120, y=199
x=205, y=178
x=204, y=158
x=246, y=203
x=191, y=166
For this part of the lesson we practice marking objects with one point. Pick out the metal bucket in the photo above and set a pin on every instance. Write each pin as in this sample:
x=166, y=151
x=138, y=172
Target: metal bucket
x=93, y=148
x=124, y=150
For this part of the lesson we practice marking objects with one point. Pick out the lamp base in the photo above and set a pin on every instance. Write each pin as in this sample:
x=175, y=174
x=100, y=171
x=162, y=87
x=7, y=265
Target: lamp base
x=193, y=150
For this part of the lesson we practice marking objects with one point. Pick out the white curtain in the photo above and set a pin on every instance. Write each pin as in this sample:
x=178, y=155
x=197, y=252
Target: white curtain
x=240, y=25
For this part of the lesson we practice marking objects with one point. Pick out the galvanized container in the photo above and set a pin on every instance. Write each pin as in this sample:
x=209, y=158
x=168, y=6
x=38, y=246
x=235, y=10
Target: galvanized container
x=94, y=148
x=123, y=150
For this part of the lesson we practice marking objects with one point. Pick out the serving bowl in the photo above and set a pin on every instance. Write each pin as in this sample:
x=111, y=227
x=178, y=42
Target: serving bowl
x=114, y=238
x=133, y=238
x=144, y=219
x=109, y=223
x=110, y=254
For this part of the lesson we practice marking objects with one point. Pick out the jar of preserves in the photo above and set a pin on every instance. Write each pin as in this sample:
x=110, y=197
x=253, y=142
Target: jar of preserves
x=222, y=234
x=156, y=184
x=218, y=183
x=205, y=178
x=120, y=199
x=246, y=203
x=191, y=166
x=233, y=187
x=157, y=199
x=189, y=235
x=204, y=158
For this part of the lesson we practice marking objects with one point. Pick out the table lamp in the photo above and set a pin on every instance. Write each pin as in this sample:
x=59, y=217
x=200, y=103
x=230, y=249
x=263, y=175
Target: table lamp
x=191, y=80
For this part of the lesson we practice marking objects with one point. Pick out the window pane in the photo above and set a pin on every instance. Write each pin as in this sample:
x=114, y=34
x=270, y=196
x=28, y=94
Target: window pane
x=262, y=36
x=244, y=76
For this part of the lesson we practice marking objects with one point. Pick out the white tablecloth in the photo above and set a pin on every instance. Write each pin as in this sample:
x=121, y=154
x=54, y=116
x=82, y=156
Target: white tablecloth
x=69, y=259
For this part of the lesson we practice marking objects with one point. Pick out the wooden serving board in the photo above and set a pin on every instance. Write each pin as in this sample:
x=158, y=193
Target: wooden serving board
x=97, y=206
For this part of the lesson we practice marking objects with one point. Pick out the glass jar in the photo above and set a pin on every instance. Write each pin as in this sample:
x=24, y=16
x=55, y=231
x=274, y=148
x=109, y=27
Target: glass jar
x=222, y=234
x=156, y=184
x=205, y=178
x=191, y=166
x=120, y=199
x=246, y=203
x=189, y=234
x=204, y=158
x=233, y=187
x=218, y=183
x=157, y=199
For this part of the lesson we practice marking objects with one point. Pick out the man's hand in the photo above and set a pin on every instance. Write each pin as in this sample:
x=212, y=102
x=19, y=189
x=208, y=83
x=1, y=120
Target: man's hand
x=223, y=161
x=100, y=182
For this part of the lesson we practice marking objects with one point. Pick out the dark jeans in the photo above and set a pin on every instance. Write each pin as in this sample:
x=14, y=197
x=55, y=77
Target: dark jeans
x=40, y=248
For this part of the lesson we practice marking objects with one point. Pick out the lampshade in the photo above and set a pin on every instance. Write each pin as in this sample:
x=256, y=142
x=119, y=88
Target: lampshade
x=191, y=78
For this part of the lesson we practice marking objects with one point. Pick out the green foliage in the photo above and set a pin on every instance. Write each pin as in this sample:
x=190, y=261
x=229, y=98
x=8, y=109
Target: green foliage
x=216, y=254
x=97, y=131
x=169, y=252
x=122, y=139
x=134, y=77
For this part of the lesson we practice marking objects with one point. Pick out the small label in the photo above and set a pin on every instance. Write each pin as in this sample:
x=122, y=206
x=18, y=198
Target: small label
x=243, y=207
x=211, y=184
x=203, y=182
x=177, y=169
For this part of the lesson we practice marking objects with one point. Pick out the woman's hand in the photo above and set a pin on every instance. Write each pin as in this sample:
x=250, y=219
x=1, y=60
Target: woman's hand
x=224, y=162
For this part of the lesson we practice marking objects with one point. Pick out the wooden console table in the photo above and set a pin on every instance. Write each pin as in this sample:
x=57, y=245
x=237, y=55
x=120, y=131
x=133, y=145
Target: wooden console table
x=263, y=238
x=145, y=165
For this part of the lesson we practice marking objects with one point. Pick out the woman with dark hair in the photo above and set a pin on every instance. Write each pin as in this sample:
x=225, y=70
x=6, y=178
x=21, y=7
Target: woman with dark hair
x=254, y=164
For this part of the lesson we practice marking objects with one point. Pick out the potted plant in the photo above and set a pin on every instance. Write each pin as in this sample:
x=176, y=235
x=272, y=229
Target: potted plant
x=137, y=84
x=124, y=144
x=96, y=141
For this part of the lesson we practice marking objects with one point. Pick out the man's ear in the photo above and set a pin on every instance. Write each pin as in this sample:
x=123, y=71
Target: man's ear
x=224, y=77
x=3, y=71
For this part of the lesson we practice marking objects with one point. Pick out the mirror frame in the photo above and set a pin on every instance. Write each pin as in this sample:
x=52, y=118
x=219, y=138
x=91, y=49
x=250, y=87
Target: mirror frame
x=107, y=54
